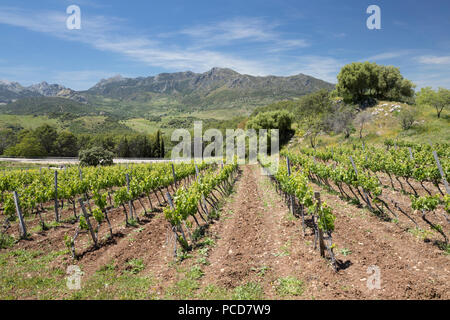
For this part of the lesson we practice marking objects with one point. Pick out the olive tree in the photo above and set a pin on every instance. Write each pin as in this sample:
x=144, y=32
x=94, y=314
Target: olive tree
x=439, y=99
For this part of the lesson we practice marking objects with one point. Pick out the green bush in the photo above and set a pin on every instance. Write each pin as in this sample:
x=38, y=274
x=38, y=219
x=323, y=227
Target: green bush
x=95, y=156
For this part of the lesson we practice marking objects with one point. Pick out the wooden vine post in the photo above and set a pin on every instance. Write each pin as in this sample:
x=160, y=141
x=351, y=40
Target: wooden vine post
x=196, y=172
x=56, y=197
x=291, y=197
x=23, y=228
x=364, y=191
x=447, y=188
x=174, y=175
x=88, y=222
x=319, y=231
x=174, y=230
x=410, y=154
x=130, y=203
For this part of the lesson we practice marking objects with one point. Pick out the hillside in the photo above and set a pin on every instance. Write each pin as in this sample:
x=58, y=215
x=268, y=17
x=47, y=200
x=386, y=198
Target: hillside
x=160, y=101
x=385, y=123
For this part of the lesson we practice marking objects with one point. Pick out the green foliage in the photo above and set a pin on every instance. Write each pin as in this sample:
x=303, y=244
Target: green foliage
x=426, y=203
x=362, y=81
x=83, y=223
x=28, y=147
x=95, y=156
x=66, y=145
x=407, y=118
x=280, y=120
x=6, y=241
x=134, y=266
x=439, y=99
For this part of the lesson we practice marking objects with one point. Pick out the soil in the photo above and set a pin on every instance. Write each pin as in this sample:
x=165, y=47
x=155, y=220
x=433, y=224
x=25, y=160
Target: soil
x=258, y=240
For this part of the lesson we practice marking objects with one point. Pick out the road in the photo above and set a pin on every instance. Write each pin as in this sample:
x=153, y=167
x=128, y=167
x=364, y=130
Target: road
x=68, y=161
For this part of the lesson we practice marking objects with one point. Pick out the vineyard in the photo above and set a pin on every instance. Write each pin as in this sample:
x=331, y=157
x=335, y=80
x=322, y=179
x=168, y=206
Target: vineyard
x=316, y=228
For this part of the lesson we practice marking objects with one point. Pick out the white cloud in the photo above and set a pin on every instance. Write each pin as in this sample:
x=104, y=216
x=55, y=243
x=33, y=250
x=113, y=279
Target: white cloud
x=388, y=55
x=199, y=54
x=442, y=60
x=241, y=28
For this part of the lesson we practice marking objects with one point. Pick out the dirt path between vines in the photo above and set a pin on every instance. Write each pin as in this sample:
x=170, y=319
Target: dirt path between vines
x=251, y=237
x=258, y=233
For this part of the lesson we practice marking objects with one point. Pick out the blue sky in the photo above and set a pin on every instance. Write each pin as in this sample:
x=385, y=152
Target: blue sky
x=279, y=37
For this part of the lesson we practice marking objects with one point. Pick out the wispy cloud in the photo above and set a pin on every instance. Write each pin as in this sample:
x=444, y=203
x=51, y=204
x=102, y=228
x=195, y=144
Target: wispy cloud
x=389, y=55
x=246, y=29
x=435, y=60
x=198, y=53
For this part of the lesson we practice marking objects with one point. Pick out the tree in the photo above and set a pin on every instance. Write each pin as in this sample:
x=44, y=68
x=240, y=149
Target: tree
x=47, y=135
x=66, y=144
x=437, y=99
x=28, y=147
x=95, y=156
x=163, y=151
x=361, y=119
x=362, y=81
x=341, y=120
x=157, y=145
x=123, y=149
x=312, y=113
x=281, y=120
x=7, y=138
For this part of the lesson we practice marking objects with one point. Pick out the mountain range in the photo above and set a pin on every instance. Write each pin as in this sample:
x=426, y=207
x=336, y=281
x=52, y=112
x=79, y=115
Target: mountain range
x=13, y=91
x=219, y=93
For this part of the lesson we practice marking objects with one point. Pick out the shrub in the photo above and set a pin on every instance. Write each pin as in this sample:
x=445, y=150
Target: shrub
x=95, y=156
x=407, y=119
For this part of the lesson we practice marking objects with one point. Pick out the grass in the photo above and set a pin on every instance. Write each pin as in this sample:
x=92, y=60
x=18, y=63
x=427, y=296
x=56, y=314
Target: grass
x=213, y=292
x=248, y=291
x=186, y=288
x=6, y=241
x=107, y=283
x=289, y=286
x=29, y=274
x=26, y=273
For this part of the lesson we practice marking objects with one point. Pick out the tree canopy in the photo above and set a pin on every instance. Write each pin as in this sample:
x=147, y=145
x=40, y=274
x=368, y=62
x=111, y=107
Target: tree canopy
x=439, y=99
x=280, y=120
x=362, y=81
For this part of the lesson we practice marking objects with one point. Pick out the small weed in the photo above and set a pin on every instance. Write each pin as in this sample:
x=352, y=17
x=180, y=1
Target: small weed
x=209, y=242
x=420, y=233
x=289, y=286
x=203, y=261
x=134, y=266
x=195, y=273
x=183, y=255
x=6, y=241
x=203, y=251
x=261, y=271
x=132, y=223
x=345, y=252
